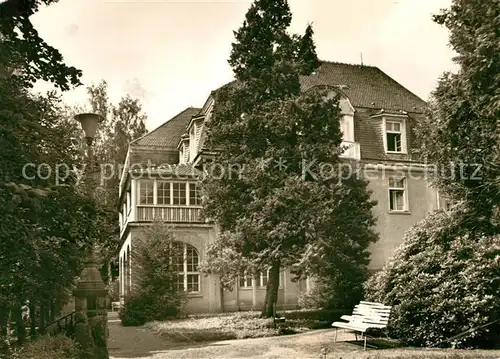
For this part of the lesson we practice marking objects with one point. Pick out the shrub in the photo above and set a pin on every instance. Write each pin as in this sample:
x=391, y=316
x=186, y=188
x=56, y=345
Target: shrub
x=144, y=307
x=202, y=329
x=156, y=295
x=335, y=290
x=49, y=347
x=442, y=282
x=133, y=313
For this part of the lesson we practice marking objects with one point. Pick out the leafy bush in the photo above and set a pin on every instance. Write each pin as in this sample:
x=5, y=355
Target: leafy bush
x=156, y=295
x=442, y=282
x=218, y=327
x=133, y=313
x=143, y=307
x=49, y=347
x=335, y=290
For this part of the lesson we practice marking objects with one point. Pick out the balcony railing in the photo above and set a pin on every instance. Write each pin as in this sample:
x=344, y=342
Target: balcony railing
x=170, y=214
x=353, y=150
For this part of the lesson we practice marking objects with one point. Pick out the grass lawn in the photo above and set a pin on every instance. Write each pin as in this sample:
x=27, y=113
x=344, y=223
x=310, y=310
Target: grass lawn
x=241, y=325
x=226, y=326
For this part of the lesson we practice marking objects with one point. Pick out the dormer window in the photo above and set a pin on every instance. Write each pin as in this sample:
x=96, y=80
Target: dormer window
x=394, y=136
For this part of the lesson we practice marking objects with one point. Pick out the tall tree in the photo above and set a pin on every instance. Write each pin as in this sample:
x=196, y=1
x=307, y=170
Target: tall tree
x=462, y=134
x=47, y=221
x=26, y=56
x=268, y=131
x=123, y=123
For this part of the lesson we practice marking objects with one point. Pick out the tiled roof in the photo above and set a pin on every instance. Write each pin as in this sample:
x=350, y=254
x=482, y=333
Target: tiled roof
x=365, y=86
x=152, y=156
x=168, y=134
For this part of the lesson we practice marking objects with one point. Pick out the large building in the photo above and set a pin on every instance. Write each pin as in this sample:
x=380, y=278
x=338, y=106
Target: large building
x=159, y=181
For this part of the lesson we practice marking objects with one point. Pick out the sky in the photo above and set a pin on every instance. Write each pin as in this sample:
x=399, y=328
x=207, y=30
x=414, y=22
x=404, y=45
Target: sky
x=171, y=54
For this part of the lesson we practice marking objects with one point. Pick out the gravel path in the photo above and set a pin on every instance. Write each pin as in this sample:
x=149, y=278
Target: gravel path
x=138, y=342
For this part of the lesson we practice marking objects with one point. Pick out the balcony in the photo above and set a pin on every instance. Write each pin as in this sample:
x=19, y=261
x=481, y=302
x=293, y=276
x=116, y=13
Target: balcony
x=179, y=214
x=353, y=150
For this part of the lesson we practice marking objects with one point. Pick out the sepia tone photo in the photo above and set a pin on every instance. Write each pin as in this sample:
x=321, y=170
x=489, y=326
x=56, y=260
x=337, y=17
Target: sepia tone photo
x=250, y=179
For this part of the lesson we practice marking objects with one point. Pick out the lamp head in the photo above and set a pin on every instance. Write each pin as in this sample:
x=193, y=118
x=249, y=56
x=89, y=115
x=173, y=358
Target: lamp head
x=89, y=122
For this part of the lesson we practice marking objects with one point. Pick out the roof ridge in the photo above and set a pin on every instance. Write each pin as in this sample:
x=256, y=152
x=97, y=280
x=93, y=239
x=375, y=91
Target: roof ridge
x=346, y=63
x=164, y=123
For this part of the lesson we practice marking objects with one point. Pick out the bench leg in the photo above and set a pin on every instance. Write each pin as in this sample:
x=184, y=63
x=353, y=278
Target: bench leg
x=356, y=335
x=364, y=348
x=336, y=330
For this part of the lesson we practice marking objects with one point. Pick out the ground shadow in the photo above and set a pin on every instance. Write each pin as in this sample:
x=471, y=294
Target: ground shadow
x=375, y=343
x=140, y=342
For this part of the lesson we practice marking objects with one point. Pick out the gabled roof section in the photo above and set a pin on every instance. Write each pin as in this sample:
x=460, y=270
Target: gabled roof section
x=365, y=86
x=168, y=134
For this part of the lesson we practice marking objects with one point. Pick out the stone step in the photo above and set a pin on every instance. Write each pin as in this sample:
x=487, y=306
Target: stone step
x=113, y=315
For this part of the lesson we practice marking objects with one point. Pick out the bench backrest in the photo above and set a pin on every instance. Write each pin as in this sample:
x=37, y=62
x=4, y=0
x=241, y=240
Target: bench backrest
x=371, y=313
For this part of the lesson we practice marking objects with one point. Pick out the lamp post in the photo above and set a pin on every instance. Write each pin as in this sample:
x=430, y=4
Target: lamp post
x=91, y=295
x=89, y=123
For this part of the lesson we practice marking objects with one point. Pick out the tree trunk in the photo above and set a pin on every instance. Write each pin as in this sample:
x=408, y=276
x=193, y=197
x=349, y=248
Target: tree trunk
x=221, y=288
x=110, y=279
x=237, y=286
x=43, y=316
x=271, y=291
x=20, y=326
x=32, y=320
x=52, y=311
x=4, y=320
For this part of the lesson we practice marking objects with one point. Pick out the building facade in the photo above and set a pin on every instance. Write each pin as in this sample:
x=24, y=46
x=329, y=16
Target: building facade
x=159, y=182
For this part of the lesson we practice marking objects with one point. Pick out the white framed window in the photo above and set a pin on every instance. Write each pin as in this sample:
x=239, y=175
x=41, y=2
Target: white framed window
x=186, y=262
x=194, y=194
x=163, y=193
x=394, y=136
x=245, y=280
x=179, y=193
x=146, y=191
x=398, y=196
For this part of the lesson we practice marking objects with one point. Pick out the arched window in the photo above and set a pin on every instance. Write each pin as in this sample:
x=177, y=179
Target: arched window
x=186, y=263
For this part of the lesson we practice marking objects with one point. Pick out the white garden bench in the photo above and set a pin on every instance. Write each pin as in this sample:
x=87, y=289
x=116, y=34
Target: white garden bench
x=364, y=316
x=116, y=305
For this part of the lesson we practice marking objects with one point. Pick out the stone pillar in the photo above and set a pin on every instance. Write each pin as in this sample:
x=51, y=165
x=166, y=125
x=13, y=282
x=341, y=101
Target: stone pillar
x=91, y=297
